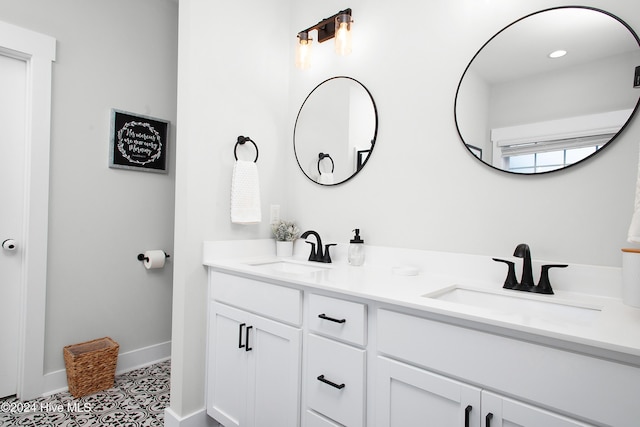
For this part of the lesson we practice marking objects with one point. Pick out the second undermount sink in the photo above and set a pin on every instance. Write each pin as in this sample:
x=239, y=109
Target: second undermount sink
x=288, y=267
x=519, y=306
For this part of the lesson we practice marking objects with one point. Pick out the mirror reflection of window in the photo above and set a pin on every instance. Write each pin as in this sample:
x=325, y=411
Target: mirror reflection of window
x=547, y=161
x=513, y=83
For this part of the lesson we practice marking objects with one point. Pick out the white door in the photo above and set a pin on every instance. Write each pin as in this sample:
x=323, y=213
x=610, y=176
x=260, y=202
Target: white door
x=412, y=397
x=499, y=411
x=274, y=373
x=12, y=199
x=227, y=364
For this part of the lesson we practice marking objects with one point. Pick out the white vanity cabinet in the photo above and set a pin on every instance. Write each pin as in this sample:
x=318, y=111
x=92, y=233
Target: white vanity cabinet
x=253, y=356
x=554, y=387
x=335, y=362
x=359, y=361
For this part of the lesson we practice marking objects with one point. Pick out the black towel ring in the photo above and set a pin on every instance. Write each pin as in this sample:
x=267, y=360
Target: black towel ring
x=241, y=141
x=322, y=156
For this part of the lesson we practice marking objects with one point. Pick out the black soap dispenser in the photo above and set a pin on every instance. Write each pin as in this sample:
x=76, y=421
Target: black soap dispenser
x=356, y=249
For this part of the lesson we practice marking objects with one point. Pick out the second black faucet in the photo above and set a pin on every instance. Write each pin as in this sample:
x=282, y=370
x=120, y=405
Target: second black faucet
x=526, y=282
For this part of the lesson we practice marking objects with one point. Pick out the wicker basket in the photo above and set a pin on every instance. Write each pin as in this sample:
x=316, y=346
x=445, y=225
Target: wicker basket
x=91, y=366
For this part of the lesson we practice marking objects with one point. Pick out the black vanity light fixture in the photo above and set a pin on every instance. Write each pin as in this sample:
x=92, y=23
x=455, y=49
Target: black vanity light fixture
x=636, y=78
x=336, y=27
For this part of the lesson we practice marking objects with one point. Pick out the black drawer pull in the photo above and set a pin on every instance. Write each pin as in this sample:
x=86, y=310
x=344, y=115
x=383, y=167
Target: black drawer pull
x=331, y=319
x=242, y=325
x=246, y=338
x=467, y=411
x=331, y=383
x=487, y=419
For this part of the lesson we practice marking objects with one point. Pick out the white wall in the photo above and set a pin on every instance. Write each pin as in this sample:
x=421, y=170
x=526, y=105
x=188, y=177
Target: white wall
x=233, y=80
x=566, y=93
x=420, y=189
x=111, y=54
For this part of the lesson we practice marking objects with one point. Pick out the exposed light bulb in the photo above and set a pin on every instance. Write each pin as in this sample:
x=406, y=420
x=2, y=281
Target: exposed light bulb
x=343, y=34
x=303, y=52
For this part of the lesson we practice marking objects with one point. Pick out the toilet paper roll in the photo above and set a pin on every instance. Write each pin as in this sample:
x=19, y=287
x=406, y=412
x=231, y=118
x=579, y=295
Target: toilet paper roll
x=154, y=259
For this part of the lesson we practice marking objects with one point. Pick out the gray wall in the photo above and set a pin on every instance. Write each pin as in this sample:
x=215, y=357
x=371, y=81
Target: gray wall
x=110, y=54
x=420, y=189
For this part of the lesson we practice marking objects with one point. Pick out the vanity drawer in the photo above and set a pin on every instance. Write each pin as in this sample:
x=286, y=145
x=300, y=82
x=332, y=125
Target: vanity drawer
x=277, y=302
x=335, y=380
x=314, y=420
x=333, y=317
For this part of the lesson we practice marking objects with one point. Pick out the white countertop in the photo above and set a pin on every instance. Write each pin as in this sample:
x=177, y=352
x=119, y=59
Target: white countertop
x=614, y=331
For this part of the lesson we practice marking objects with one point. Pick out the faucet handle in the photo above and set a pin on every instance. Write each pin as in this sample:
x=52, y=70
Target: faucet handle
x=544, y=286
x=327, y=257
x=312, y=255
x=511, y=281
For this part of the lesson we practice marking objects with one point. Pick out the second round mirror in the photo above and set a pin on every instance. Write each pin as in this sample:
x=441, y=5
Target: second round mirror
x=523, y=108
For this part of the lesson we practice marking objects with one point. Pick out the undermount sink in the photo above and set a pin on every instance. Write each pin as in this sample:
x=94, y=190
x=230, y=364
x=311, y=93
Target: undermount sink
x=288, y=267
x=519, y=306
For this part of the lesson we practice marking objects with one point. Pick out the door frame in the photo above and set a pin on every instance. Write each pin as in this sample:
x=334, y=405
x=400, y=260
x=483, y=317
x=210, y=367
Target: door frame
x=38, y=51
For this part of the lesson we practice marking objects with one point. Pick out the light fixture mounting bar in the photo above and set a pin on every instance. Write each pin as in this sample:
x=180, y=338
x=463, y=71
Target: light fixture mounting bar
x=326, y=28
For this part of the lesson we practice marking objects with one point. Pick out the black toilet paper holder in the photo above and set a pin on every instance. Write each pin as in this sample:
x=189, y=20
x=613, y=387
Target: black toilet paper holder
x=141, y=257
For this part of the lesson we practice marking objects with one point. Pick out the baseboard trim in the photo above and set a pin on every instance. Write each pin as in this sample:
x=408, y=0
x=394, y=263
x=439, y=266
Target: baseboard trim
x=196, y=419
x=55, y=382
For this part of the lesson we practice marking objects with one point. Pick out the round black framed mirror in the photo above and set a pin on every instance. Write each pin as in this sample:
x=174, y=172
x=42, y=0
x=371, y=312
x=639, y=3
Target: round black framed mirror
x=335, y=131
x=549, y=90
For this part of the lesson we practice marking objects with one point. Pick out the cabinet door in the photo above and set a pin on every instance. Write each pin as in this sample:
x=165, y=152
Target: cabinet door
x=409, y=396
x=506, y=412
x=274, y=366
x=226, y=365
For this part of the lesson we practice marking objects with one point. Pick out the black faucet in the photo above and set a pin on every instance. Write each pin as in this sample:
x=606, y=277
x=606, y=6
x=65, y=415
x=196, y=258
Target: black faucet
x=526, y=282
x=316, y=249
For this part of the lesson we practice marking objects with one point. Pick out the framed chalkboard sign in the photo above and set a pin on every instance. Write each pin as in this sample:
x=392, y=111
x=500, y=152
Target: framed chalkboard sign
x=138, y=142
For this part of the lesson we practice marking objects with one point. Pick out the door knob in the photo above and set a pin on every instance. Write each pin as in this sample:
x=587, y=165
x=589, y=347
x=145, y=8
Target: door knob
x=9, y=245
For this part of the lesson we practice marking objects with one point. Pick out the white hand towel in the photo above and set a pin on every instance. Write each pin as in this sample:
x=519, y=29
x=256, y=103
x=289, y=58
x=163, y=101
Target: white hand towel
x=634, y=228
x=245, y=193
x=326, y=178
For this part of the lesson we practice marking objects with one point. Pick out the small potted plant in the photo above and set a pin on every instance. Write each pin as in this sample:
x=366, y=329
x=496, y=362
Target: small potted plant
x=285, y=233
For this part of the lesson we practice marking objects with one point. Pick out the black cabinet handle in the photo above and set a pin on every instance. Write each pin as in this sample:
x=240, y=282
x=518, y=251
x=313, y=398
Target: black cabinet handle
x=331, y=383
x=246, y=339
x=331, y=319
x=487, y=419
x=467, y=411
x=242, y=325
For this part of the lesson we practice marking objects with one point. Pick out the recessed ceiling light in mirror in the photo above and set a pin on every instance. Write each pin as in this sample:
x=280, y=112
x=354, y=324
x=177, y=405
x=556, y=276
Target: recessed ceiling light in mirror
x=557, y=54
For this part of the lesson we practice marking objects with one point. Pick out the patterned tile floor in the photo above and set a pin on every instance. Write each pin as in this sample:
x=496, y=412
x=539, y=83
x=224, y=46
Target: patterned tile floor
x=138, y=399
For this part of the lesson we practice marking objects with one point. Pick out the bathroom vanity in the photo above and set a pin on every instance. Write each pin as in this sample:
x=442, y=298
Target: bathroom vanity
x=292, y=342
